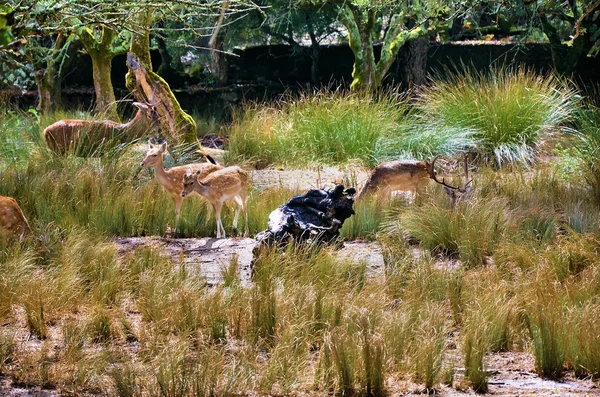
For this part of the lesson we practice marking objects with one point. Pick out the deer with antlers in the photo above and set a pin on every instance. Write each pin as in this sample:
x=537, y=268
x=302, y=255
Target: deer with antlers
x=405, y=175
x=455, y=192
x=171, y=179
x=65, y=136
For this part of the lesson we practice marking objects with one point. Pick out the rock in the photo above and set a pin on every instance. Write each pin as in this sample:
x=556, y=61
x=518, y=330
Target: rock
x=313, y=217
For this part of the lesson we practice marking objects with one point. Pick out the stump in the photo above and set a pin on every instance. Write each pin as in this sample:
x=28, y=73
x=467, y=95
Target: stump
x=315, y=217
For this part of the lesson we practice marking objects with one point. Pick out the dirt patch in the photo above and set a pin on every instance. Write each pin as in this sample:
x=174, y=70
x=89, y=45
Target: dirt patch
x=209, y=256
x=305, y=179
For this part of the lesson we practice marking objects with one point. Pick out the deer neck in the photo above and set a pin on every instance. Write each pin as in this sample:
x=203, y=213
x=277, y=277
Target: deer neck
x=200, y=189
x=127, y=127
x=161, y=173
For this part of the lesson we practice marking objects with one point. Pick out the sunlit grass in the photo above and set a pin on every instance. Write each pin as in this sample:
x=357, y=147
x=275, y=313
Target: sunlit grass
x=81, y=318
x=509, y=111
x=325, y=127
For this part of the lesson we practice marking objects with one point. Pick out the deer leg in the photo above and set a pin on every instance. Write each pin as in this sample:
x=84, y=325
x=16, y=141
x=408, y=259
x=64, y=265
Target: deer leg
x=178, y=201
x=238, y=204
x=218, y=206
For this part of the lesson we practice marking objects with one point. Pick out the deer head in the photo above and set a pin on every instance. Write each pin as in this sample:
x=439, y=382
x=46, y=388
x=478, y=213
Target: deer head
x=455, y=192
x=154, y=155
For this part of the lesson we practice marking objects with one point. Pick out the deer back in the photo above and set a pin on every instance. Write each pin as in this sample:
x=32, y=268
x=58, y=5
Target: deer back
x=397, y=175
x=12, y=220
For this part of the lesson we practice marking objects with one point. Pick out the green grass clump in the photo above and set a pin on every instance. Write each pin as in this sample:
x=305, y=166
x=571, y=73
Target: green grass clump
x=545, y=325
x=470, y=230
x=587, y=124
x=19, y=135
x=584, y=349
x=508, y=110
x=322, y=127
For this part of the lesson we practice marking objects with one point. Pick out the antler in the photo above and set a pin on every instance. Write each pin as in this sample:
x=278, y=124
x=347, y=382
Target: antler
x=432, y=175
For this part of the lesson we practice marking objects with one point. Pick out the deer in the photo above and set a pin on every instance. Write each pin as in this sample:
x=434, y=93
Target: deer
x=455, y=192
x=65, y=136
x=171, y=179
x=12, y=220
x=218, y=187
x=405, y=175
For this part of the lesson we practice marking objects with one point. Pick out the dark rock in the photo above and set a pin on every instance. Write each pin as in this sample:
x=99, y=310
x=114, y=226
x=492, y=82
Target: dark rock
x=311, y=218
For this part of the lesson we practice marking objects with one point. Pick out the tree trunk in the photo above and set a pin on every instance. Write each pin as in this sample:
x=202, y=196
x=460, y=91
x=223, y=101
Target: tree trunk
x=140, y=42
x=106, y=103
x=102, y=53
x=165, y=68
x=218, y=59
x=415, y=70
x=49, y=92
x=148, y=87
x=315, y=52
x=361, y=44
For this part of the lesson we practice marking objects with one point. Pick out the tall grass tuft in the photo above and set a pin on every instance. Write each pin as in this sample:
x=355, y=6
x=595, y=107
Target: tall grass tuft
x=587, y=124
x=509, y=110
x=546, y=328
x=471, y=230
x=584, y=349
x=430, y=344
x=20, y=134
x=324, y=126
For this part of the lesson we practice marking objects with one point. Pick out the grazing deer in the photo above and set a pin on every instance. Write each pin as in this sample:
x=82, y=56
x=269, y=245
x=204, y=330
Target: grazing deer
x=69, y=135
x=218, y=187
x=171, y=179
x=406, y=175
x=12, y=220
x=455, y=192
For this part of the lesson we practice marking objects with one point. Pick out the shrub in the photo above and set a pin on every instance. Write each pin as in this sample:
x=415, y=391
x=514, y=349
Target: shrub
x=508, y=110
x=588, y=131
x=321, y=127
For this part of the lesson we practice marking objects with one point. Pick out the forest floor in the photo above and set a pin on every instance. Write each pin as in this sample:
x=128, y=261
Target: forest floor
x=510, y=373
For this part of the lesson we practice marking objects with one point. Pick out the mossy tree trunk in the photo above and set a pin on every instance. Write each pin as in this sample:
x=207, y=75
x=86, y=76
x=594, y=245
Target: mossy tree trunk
x=49, y=69
x=102, y=53
x=148, y=87
x=368, y=75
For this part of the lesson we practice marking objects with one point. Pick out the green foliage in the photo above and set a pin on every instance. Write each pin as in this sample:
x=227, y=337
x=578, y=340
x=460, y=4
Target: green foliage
x=588, y=131
x=472, y=229
x=323, y=127
x=509, y=111
x=19, y=135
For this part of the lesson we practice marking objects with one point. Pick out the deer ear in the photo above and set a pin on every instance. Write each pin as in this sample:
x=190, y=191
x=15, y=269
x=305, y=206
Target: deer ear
x=189, y=172
x=163, y=147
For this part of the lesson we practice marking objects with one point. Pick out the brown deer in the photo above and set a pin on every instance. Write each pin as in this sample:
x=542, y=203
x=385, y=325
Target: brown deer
x=171, y=179
x=218, y=187
x=455, y=192
x=12, y=221
x=406, y=175
x=66, y=136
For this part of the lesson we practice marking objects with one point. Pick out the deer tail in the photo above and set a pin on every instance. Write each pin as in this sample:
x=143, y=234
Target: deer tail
x=208, y=156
